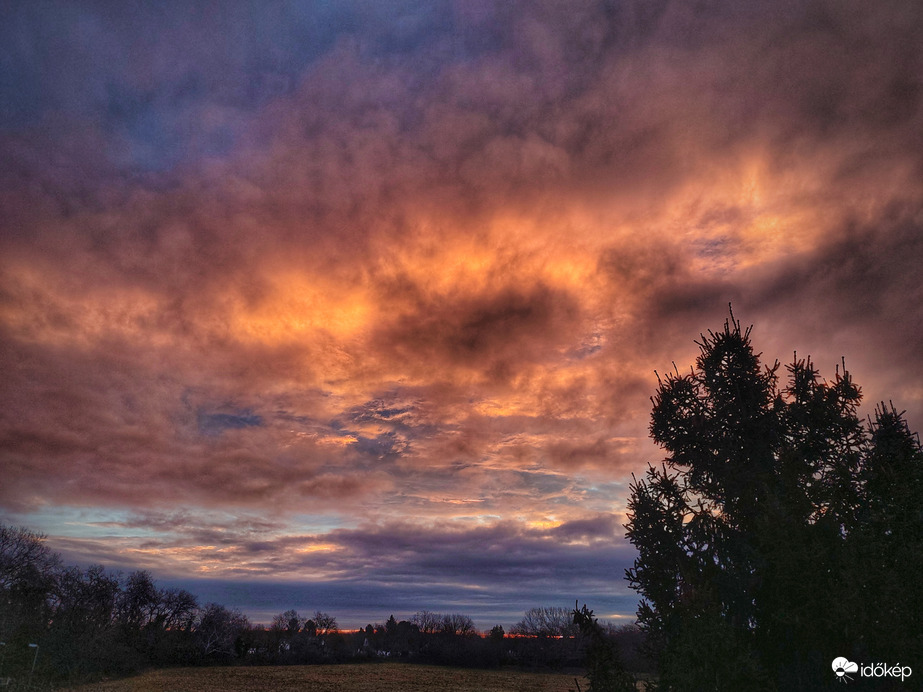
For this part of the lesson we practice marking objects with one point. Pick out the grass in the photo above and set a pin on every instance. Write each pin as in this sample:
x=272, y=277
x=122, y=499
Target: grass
x=356, y=677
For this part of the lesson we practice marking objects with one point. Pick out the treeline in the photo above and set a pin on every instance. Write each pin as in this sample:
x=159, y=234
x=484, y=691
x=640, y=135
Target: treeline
x=544, y=638
x=63, y=625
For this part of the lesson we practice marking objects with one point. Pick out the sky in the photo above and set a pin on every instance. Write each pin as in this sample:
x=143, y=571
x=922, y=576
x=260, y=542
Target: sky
x=358, y=306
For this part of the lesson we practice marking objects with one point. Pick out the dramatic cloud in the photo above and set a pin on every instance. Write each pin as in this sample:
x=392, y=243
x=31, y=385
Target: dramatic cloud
x=337, y=292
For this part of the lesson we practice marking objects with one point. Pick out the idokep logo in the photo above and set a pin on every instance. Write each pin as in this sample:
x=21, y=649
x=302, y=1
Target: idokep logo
x=843, y=667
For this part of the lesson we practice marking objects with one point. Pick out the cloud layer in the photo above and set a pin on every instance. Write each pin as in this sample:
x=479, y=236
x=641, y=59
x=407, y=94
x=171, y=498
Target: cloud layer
x=400, y=274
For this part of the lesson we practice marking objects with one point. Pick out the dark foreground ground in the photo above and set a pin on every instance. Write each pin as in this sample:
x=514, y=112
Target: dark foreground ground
x=360, y=677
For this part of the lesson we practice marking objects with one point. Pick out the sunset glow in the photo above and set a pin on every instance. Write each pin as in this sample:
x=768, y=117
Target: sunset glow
x=369, y=297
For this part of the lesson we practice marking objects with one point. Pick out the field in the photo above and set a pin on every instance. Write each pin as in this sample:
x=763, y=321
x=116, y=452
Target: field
x=361, y=677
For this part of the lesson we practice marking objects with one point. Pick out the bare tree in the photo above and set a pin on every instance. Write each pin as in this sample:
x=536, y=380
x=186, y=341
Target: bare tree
x=428, y=622
x=217, y=628
x=139, y=600
x=23, y=555
x=28, y=571
x=456, y=623
x=287, y=622
x=325, y=623
x=546, y=622
x=177, y=609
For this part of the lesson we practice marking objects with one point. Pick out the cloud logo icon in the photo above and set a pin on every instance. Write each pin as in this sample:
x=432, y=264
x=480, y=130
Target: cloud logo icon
x=841, y=666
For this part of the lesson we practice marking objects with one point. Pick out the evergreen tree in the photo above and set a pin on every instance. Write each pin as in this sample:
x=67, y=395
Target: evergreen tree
x=605, y=671
x=776, y=527
x=887, y=548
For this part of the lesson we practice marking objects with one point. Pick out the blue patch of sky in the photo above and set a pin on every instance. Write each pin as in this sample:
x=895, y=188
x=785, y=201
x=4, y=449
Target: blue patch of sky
x=713, y=247
x=543, y=482
x=53, y=54
x=34, y=51
x=379, y=446
x=294, y=418
x=317, y=523
x=74, y=60
x=83, y=522
x=378, y=410
x=591, y=345
x=214, y=424
x=601, y=496
x=392, y=410
x=406, y=27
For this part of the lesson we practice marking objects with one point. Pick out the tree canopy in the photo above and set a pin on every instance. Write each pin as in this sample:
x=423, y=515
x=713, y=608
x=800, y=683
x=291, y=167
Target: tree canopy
x=781, y=530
